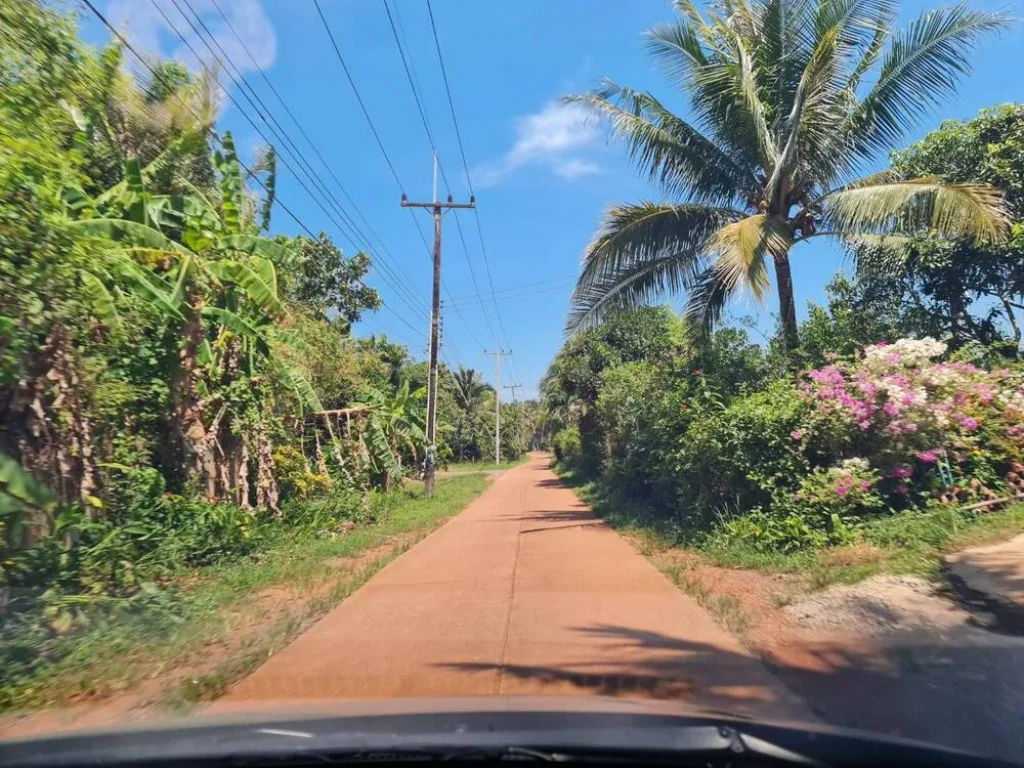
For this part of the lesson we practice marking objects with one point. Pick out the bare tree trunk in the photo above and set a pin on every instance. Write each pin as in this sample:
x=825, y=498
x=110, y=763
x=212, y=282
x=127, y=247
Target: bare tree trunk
x=1012, y=318
x=187, y=417
x=266, y=484
x=321, y=459
x=787, y=303
x=242, y=478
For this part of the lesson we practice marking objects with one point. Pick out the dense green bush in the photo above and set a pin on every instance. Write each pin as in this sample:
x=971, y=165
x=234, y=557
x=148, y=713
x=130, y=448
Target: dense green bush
x=327, y=515
x=783, y=461
x=567, y=448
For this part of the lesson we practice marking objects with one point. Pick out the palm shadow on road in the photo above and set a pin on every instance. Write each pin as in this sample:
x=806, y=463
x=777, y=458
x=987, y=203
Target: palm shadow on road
x=941, y=690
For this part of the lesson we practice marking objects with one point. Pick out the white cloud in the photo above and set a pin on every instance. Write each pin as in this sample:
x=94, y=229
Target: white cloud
x=143, y=25
x=574, y=168
x=550, y=137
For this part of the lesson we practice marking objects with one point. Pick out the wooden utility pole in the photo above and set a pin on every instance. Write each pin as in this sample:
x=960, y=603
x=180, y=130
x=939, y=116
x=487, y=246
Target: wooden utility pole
x=497, y=400
x=435, y=314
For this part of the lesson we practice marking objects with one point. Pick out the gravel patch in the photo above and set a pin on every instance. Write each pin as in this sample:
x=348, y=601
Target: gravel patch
x=878, y=606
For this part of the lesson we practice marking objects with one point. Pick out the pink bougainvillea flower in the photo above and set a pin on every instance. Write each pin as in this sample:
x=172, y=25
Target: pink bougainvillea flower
x=864, y=485
x=796, y=434
x=865, y=424
x=969, y=423
x=902, y=490
x=928, y=457
x=842, y=490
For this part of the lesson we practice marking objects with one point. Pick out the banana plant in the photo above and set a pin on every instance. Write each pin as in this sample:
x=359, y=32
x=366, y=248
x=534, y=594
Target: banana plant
x=214, y=277
x=394, y=422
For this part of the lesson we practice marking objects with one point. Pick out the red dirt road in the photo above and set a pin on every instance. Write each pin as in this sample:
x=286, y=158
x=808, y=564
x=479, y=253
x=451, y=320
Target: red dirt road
x=524, y=592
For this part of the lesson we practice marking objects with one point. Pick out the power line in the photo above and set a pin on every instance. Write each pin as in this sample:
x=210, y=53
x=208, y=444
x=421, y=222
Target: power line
x=410, y=77
x=469, y=178
x=387, y=158
x=473, y=300
x=523, y=287
x=393, y=279
x=355, y=90
x=448, y=90
x=309, y=141
x=212, y=132
x=412, y=85
x=295, y=120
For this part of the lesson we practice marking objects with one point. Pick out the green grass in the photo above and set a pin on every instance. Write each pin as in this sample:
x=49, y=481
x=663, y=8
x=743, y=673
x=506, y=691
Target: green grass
x=726, y=609
x=905, y=543
x=483, y=466
x=210, y=607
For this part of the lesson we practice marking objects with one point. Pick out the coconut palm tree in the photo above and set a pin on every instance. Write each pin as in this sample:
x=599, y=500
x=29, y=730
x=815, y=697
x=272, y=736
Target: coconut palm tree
x=469, y=389
x=791, y=99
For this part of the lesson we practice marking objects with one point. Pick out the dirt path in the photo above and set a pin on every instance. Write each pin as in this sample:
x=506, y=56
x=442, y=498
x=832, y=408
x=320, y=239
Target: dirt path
x=891, y=654
x=525, y=592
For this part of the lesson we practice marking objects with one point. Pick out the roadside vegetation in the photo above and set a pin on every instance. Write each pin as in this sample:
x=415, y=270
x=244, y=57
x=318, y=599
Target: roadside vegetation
x=199, y=629
x=885, y=428
x=187, y=415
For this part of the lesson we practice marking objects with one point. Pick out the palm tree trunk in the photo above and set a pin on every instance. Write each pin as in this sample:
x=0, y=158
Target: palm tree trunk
x=787, y=303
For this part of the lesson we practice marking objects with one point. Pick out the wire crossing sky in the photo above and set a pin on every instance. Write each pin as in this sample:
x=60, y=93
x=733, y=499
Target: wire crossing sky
x=356, y=95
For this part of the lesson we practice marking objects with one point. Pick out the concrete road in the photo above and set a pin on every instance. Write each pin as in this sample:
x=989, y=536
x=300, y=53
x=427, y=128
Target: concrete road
x=524, y=592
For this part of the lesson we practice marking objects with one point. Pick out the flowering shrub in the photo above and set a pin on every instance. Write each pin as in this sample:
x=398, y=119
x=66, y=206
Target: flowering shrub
x=925, y=425
x=824, y=511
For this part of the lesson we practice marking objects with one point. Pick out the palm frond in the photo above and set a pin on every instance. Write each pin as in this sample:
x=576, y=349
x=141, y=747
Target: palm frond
x=755, y=112
x=677, y=46
x=641, y=252
x=634, y=233
x=740, y=249
x=786, y=38
x=965, y=210
x=632, y=285
x=924, y=63
x=882, y=254
x=707, y=299
x=856, y=21
x=670, y=151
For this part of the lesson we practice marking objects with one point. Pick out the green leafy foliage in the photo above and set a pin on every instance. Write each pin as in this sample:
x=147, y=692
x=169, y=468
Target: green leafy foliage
x=165, y=358
x=787, y=104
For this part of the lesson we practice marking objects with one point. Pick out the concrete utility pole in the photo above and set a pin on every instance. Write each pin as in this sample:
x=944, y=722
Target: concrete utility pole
x=435, y=315
x=497, y=400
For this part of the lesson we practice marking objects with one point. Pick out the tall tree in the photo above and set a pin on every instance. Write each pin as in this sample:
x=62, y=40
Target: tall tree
x=469, y=389
x=791, y=99
x=947, y=278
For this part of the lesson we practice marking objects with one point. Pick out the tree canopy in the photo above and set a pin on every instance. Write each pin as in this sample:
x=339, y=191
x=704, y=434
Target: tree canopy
x=791, y=102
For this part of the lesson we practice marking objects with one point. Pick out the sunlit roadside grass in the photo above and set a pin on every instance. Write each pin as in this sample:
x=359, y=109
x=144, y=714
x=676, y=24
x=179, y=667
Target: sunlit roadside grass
x=910, y=542
x=461, y=467
x=209, y=607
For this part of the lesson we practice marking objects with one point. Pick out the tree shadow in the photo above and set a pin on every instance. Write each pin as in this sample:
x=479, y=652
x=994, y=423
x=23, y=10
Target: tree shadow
x=963, y=689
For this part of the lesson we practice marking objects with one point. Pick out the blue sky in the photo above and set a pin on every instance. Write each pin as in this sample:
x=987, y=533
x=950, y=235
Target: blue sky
x=542, y=177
